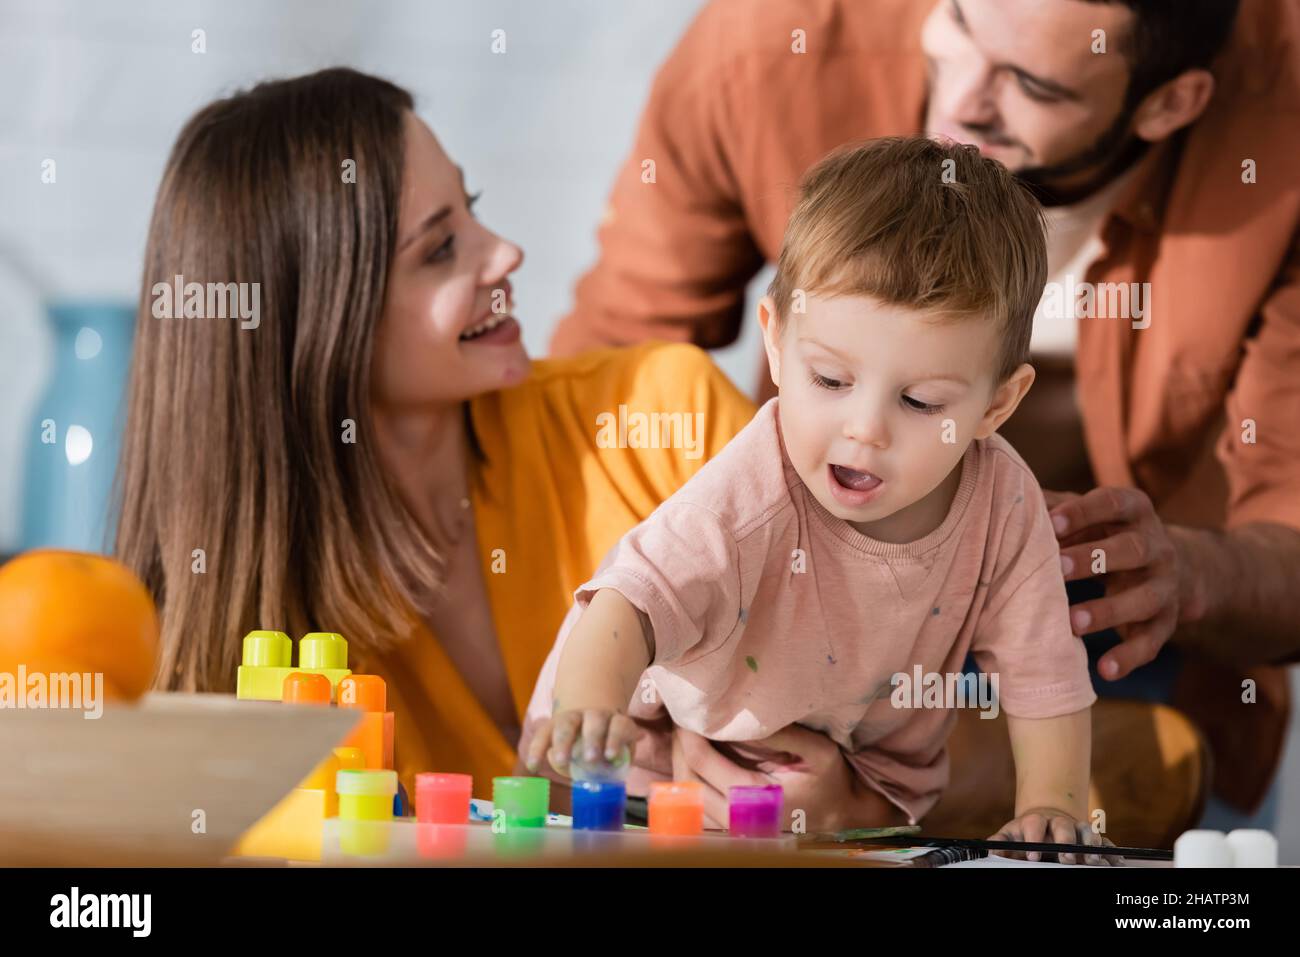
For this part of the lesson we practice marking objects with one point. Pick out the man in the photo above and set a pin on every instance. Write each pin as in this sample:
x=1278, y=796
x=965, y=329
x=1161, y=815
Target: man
x=1166, y=415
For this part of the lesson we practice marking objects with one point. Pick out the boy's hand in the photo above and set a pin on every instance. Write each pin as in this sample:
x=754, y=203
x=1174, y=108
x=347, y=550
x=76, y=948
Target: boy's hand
x=603, y=735
x=1049, y=825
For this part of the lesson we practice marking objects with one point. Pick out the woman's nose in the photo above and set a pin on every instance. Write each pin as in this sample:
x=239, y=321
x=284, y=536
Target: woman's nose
x=503, y=257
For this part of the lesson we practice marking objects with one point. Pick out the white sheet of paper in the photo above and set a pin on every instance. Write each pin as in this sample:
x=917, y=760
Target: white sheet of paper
x=133, y=786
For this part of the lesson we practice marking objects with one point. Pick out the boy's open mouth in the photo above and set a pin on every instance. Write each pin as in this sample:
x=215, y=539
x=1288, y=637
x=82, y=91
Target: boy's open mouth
x=854, y=480
x=853, y=488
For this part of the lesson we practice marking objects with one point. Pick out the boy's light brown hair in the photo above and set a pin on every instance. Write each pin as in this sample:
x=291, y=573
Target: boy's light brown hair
x=921, y=224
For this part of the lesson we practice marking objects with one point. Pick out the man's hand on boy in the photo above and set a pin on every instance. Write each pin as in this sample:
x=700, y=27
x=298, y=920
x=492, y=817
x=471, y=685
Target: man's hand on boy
x=1145, y=571
x=696, y=759
x=819, y=782
x=1050, y=825
x=602, y=733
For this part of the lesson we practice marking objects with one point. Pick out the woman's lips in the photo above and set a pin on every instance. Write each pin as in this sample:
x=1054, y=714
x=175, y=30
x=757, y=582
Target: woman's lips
x=851, y=487
x=504, y=333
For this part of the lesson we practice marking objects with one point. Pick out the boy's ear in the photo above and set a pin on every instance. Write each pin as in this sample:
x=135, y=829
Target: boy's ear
x=771, y=323
x=1006, y=398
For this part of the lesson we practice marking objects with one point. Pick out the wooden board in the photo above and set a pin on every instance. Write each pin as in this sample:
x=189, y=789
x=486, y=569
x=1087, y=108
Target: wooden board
x=174, y=779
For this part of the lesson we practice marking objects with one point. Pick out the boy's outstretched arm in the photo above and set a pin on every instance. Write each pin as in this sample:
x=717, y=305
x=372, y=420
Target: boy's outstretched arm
x=1053, y=762
x=610, y=646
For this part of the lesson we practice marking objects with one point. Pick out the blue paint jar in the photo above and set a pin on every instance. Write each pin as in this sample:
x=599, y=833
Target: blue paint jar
x=599, y=805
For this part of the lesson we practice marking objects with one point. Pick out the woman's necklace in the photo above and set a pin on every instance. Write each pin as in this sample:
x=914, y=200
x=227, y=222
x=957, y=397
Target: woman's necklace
x=463, y=515
x=457, y=522
x=459, y=525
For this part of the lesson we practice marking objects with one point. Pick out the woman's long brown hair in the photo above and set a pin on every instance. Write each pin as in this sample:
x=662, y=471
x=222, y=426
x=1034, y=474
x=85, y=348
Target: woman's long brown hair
x=235, y=437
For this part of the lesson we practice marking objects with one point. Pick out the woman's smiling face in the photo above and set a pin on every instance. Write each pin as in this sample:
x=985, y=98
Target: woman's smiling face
x=447, y=331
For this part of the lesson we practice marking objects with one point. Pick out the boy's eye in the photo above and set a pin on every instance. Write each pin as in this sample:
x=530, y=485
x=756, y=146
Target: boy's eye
x=826, y=382
x=923, y=407
x=471, y=199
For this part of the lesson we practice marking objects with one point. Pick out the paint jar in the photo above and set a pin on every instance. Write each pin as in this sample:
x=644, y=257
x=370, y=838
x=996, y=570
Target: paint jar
x=599, y=805
x=366, y=795
x=442, y=798
x=365, y=810
x=520, y=802
x=676, y=808
x=755, y=811
x=442, y=842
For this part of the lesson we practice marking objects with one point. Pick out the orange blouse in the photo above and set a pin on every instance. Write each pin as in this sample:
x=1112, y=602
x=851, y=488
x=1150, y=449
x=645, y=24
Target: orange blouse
x=565, y=472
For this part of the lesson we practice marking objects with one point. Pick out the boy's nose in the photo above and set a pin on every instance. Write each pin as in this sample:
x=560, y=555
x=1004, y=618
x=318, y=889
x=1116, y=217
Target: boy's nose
x=868, y=428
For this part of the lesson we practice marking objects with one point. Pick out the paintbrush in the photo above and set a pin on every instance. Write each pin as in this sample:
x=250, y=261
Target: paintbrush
x=863, y=833
x=1107, y=850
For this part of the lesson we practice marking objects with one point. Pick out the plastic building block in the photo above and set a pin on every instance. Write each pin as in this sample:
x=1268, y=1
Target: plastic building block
x=374, y=733
x=293, y=828
x=268, y=661
x=305, y=687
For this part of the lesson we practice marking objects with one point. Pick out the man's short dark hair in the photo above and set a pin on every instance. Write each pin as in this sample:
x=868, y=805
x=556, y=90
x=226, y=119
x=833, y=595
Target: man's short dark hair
x=1172, y=36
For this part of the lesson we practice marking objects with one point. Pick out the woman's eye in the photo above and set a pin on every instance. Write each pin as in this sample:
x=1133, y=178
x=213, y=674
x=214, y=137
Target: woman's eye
x=444, y=251
x=923, y=407
x=825, y=382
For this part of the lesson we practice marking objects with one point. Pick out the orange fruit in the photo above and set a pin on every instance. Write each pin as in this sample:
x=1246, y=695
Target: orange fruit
x=77, y=612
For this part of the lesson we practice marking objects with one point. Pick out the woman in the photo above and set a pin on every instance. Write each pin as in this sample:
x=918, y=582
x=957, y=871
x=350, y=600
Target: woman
x=376, y=455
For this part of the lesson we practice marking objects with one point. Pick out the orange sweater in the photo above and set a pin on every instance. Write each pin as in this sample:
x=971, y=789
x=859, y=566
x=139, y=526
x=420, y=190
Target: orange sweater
x=553, y=496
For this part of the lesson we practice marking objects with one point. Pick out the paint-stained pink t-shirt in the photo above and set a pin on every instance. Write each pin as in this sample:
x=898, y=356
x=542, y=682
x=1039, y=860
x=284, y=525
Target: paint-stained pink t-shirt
x=769, y=611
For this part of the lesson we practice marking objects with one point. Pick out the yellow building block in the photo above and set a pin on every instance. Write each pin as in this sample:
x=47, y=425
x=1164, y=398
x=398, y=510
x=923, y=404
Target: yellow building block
x=292, y=829
x=268, y=660
x=259, y=683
